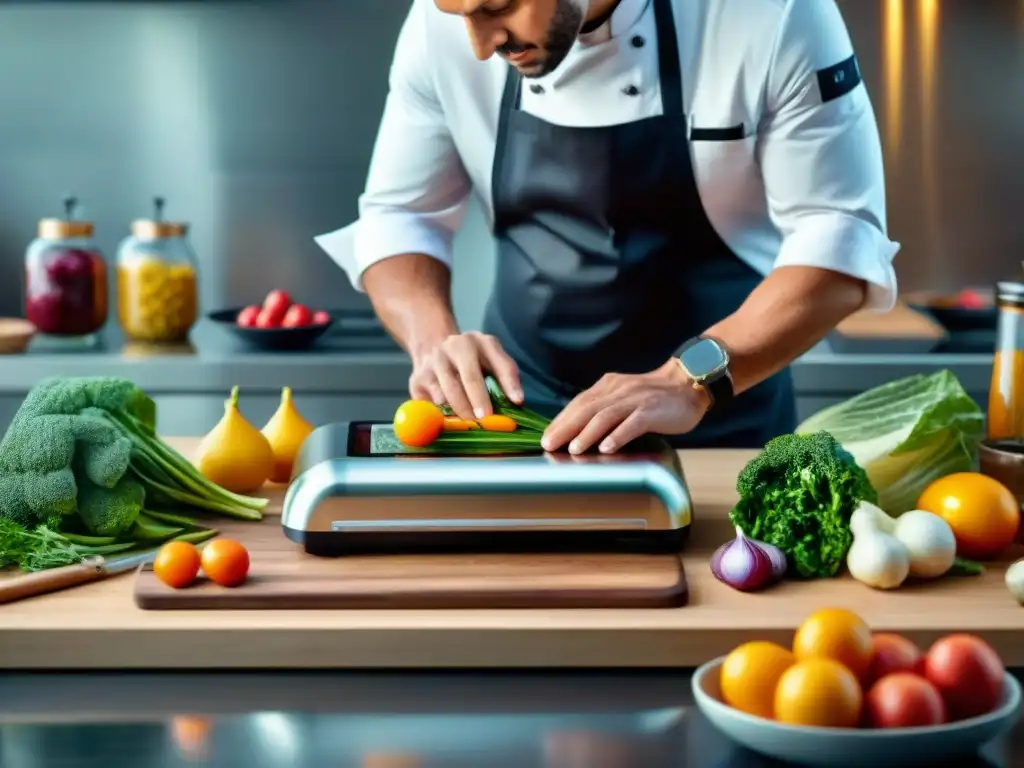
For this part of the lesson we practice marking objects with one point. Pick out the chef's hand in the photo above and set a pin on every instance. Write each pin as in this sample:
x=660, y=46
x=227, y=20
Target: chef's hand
x=620, y=408
x=453, y=372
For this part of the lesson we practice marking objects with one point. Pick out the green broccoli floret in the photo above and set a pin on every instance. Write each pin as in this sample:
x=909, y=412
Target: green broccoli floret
x=799, y=494
x=110, y=511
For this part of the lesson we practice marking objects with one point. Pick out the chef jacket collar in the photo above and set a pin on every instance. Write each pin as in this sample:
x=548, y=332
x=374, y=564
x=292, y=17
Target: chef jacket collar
x=625, y=17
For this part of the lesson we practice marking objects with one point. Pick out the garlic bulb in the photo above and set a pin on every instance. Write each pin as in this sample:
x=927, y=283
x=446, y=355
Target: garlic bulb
x=878, y=559
x=868, y=517
x=929, y=541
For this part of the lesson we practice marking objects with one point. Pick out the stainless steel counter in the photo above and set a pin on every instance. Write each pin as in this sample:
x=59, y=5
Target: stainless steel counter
x=529, y=720
x=363, y=377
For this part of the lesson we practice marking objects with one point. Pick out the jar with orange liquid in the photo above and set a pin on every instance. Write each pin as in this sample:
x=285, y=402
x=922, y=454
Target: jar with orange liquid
x=1006, y=395
x=157, y=286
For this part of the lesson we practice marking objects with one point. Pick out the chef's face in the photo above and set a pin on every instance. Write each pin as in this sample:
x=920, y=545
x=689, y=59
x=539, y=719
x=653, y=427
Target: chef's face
x=534, y=36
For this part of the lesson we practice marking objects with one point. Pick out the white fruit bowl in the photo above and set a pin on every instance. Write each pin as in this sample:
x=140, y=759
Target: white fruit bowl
x=853, y=747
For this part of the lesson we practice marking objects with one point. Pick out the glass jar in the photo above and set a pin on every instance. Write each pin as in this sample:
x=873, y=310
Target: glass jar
x=1006, y=395
x=157, y=284
x=65, y=278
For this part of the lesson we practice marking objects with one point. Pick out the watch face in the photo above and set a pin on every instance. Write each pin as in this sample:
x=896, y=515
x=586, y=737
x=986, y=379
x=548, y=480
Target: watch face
x=703, y=359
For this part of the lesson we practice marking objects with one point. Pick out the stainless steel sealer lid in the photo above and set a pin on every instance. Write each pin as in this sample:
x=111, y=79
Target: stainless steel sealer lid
x=357, y=490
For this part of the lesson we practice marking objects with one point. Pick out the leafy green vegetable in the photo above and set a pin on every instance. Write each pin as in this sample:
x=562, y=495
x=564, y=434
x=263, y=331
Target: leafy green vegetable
x=78, y=466
x=88, y=445
x=799, y=494
x=41, y=547
x=525, y=439
x=963, y=567
x=906, y=434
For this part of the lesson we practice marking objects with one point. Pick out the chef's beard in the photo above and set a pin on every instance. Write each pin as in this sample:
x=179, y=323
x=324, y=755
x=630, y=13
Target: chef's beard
x=562, y=33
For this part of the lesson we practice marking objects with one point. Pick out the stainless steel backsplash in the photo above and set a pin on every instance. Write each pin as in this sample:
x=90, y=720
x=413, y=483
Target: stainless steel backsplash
x=256, y=121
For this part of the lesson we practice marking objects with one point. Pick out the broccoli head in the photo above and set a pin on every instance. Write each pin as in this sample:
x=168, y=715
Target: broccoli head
x=799, y=494
x=63, y=433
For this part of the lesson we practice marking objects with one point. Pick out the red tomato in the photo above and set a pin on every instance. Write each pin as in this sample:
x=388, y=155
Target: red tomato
x=225, y=562
x=275, y=306
x=968, y=673
x=321, y=318
x=893, y=653
x=297, y=316
x=267, y=320
x=247, y=317
x=903, y=700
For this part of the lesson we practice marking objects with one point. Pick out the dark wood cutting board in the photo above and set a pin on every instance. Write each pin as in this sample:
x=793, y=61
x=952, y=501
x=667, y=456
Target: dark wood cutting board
x=284, y=577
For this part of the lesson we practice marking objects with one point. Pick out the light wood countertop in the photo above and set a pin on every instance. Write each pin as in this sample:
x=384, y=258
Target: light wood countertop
x=98, y=625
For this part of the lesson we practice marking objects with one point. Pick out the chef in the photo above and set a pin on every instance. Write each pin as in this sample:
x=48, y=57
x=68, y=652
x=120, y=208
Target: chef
x=686, y=195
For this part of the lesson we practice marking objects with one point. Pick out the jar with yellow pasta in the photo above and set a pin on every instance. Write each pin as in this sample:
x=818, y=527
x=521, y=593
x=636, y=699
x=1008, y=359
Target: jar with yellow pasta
x=157, y=285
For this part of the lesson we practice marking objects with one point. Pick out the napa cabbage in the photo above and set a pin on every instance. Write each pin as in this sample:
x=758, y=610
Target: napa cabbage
x=906, y=434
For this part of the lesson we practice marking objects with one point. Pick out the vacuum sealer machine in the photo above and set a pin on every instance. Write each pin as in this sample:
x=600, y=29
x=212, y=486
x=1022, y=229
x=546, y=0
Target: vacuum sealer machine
x=355, y=490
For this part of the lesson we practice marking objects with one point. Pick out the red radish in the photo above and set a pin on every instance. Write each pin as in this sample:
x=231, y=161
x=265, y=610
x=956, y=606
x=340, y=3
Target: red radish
x=297, y=316
x=321, y=318
x=247, y=317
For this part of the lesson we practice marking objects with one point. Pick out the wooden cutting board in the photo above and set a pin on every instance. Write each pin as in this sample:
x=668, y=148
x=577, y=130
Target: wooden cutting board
x=282, y=577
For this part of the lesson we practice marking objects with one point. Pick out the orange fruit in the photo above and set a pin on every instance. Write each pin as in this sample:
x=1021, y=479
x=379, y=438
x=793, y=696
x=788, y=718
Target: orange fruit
x=839, y=634
x=177, y=564
x=819, y=692
x=225, y=562
x=749, y=675
x=418, y=423
x=982, y=512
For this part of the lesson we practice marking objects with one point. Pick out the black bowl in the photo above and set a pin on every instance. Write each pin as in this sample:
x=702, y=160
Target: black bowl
x=961, y=319
x=270, y=339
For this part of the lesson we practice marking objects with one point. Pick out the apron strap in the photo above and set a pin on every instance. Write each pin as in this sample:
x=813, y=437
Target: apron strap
x=669, y=68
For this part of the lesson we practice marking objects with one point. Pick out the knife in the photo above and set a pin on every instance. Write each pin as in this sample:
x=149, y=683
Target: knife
x=54, y=579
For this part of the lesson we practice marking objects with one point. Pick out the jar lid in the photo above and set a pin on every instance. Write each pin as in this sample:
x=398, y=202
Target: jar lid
x=148, y=229
x=156, y=228
x=1010, y=294
x=68, y=227
x=62, y=229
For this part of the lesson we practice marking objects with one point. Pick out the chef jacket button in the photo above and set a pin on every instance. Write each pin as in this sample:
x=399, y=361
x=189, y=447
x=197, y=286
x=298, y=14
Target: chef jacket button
x=631, y=90
x=535, y=88
x=638, y=41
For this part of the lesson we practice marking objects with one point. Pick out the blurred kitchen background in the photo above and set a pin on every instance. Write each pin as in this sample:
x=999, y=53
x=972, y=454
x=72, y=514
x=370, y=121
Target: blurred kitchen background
x=256, y=121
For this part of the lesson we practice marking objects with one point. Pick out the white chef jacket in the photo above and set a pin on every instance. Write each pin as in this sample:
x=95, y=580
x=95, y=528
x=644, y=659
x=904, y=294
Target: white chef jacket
x=803, y=186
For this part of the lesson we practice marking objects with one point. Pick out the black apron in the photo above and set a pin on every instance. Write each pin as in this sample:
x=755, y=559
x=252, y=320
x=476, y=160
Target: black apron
x=607, y=262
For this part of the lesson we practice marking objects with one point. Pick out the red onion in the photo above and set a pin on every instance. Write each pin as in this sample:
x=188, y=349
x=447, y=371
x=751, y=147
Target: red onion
x=746, y=564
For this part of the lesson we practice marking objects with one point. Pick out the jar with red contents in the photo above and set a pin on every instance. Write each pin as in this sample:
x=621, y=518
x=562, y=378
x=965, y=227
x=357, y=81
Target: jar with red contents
x=66, y=278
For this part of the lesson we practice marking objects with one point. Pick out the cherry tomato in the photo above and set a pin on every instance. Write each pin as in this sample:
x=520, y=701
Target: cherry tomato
x=968, y=673
x=247, y=317
x=297, y=316
x=321, y=318
x=903, y=700
x=418, y=423
x=177, y=564
x=275, y=306
x=893, y=653
x=225, y=562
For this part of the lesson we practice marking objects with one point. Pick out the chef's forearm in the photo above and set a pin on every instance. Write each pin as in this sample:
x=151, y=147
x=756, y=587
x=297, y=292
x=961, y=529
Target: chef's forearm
x=792, y=310
x=411, y=295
